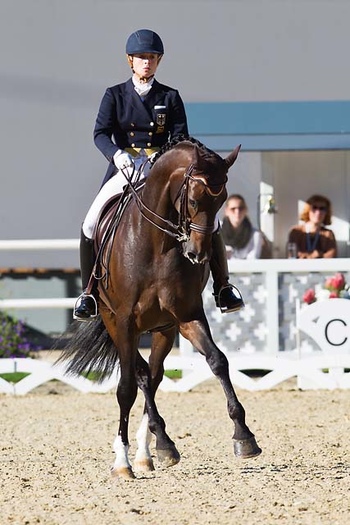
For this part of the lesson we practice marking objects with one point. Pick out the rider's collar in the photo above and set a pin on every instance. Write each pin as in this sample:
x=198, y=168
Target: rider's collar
x=142, y=86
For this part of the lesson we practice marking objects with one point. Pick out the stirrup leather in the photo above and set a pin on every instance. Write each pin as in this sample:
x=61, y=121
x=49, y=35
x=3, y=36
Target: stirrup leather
x=237, y=297
x=93, y=315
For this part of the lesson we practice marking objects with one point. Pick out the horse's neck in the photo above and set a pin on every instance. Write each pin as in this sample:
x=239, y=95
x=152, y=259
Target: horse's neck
x=165, y=180
x=156, y=193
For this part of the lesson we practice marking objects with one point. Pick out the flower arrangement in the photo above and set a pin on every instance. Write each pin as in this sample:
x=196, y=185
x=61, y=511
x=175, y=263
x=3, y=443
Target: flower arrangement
x=13, y=342
x=334, y=287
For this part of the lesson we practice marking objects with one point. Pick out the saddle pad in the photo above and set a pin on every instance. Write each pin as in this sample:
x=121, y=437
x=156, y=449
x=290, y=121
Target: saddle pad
x=106, y=226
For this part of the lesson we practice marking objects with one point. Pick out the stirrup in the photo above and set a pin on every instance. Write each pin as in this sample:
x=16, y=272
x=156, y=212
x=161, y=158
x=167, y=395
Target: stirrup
x=234, y=301
x=93, y=315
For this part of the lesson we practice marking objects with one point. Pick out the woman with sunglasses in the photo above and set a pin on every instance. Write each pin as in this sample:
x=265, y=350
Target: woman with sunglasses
x=312, y=239
x=242, y=240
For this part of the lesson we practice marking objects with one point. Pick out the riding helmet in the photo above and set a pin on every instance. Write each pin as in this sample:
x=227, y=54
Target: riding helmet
x=144, y=41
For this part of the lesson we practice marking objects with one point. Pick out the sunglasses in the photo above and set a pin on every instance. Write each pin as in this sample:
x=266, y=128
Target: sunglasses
x=319, y=208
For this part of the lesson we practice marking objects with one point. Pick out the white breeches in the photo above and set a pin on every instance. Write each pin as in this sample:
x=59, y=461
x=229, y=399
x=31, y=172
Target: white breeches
x=112, y=187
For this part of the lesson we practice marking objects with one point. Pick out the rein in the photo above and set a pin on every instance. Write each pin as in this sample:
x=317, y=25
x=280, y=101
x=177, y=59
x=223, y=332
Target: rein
x=180, y=231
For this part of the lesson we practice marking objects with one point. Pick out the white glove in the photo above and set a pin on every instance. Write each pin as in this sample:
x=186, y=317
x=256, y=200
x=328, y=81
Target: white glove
x=123, y=160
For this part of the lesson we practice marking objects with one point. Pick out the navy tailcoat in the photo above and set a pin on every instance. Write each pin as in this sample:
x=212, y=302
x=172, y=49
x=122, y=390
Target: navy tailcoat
x=125, y=120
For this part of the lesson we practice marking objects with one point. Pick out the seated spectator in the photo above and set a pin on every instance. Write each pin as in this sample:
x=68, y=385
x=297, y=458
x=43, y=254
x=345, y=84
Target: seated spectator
x=242, y=240
x=313, y=240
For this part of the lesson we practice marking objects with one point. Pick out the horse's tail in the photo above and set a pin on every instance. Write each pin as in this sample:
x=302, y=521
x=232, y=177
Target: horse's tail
x=89, y=349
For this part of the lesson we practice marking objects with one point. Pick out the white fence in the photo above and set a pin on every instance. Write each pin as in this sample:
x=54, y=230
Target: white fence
x=313, y=369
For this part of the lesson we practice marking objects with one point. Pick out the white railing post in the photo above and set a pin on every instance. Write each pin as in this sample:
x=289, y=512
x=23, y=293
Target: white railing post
x=272, y=316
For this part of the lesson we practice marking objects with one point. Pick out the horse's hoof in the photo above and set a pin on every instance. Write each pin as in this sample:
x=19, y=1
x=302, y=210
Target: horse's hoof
x=168, y=457
x=144, y=465
x=122, y=473
x=246, y=448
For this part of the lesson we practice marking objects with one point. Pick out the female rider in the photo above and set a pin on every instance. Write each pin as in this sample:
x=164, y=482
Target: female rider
x=135, y=119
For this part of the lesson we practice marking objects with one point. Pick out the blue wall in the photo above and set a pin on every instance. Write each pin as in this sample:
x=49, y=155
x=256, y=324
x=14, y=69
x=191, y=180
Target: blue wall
x=262, y=126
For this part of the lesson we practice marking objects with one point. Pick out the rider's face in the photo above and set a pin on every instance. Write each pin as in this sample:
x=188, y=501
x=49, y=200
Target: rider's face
x=145, y=64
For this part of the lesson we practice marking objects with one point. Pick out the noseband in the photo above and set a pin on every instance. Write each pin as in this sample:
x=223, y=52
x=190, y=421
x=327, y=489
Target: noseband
x=185, y=224
x=181, y=231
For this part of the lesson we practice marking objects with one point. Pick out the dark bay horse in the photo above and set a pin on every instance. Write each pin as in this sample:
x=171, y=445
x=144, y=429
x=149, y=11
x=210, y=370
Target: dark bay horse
x=157, y=271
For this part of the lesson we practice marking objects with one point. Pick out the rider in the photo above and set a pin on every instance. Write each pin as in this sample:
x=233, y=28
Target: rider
x=135, y=119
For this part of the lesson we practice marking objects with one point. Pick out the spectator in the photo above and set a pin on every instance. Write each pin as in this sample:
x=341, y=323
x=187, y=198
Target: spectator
x=242, y=240
x=312, y=239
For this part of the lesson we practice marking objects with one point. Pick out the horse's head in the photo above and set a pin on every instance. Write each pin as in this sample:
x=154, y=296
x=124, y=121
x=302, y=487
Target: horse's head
x=184, y=191
x=204, y=192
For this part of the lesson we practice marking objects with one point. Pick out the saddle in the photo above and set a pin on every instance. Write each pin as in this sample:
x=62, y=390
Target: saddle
x=106, y=227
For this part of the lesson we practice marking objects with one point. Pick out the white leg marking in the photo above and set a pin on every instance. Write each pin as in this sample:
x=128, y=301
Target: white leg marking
x=143, y=459
x=121, y=452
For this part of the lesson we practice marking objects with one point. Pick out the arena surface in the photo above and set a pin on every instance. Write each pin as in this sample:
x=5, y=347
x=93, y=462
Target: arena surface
x=56, y=450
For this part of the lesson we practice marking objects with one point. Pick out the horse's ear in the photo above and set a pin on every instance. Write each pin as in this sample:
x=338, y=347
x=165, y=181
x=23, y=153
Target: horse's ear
x=233, y=156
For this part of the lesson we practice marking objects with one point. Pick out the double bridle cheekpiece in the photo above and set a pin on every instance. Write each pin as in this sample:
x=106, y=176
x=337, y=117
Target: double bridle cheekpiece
x=182, y=230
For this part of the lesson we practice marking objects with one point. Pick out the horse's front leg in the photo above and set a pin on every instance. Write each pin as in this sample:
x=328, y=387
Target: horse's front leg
x=162, y=343
x=166, y=451
x=198, y=333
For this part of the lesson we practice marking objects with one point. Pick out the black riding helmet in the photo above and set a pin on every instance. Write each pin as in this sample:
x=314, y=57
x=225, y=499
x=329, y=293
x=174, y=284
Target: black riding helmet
x=144, y=41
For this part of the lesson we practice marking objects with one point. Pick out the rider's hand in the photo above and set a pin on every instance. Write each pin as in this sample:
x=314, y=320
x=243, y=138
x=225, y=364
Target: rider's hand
x=123, y=160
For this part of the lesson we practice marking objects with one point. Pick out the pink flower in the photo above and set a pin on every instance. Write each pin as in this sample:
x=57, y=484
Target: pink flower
x=309, y=296
x=333, y=287
x=333, y=295
x=337, y=282
x=328, y=283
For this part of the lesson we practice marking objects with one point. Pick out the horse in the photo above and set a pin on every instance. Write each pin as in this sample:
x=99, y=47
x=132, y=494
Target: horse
x=157, y=270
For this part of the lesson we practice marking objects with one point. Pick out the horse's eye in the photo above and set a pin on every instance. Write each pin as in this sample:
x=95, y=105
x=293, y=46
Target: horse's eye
x=193, y=203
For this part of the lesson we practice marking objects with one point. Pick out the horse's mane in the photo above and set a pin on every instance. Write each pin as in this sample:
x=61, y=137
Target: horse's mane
x=178, y=140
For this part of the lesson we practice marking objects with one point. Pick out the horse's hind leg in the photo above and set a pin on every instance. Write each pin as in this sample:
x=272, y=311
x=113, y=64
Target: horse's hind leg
x=126, y=395
x=162, y=343
x=127, y=346
x=198, y=333
x=166, y=450
x=143, y=459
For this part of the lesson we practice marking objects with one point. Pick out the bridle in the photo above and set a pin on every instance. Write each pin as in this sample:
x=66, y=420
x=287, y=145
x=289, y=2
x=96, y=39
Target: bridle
x=182, y=230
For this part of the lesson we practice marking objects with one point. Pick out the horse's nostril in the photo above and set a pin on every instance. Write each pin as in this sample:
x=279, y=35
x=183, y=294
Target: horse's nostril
x=195, y=258
x=192, y=256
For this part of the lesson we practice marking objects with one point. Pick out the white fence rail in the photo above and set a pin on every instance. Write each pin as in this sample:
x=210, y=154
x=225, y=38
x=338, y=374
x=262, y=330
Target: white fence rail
x=308, y=372
x=312, y=369
x=39, y=244
x=58, y=302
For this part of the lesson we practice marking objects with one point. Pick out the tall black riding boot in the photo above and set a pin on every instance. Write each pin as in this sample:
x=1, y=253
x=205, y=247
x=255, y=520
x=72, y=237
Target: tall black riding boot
x=86, y=306
x=225, y=297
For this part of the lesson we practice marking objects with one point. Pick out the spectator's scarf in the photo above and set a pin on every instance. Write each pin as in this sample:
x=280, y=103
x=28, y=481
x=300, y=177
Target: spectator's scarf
x=239, y=237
